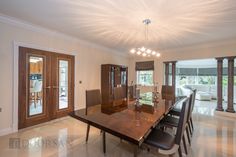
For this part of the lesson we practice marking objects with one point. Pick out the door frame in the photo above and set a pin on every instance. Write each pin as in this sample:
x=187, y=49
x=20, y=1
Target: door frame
x=15, y=81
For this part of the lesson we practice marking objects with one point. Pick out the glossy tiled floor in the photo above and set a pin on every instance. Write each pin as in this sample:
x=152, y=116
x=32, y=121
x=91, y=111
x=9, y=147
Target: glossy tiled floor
x=213, y=137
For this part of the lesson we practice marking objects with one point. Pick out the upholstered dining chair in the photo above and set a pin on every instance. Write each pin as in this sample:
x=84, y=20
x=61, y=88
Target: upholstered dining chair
x=131, y=91
x=119, y=93
x=176, y=111
x=173, y=121
x=93, y=98
x=167, y=143
x=36, y=90
x=168, y=92
x=119, y=96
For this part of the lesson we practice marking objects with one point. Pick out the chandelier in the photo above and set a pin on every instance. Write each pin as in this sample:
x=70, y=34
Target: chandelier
x=143, y=51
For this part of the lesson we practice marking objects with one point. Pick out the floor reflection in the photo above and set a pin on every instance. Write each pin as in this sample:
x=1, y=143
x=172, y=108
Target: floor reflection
x=63, y=142
x=214, y=136
x=34, y=146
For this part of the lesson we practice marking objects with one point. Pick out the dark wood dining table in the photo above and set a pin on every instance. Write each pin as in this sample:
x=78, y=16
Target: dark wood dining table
x=130, y=122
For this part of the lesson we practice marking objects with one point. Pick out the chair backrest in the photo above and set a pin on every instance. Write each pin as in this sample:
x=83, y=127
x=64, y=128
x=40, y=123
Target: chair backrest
x=38, y=86
x=193, y=99
x=168, y=92
x=182, y=121
x=190, y=106
x=131, y=92
x=119, y=93
x=93, y=97
x=137, y=93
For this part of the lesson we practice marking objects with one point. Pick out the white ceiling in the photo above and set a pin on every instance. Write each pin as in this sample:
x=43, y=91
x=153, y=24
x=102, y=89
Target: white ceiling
x=117, y=24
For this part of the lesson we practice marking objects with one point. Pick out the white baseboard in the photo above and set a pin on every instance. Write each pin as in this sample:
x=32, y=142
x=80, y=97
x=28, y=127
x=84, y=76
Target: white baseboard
x=14, y=129
x=6, y=131
x=225, y=114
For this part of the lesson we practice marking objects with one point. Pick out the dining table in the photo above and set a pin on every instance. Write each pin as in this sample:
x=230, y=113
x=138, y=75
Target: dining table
x=132, y=121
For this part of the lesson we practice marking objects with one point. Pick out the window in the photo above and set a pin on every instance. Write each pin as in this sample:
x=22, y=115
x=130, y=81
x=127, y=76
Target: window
x=184, y=80
x=145, y=77
x=207, y=80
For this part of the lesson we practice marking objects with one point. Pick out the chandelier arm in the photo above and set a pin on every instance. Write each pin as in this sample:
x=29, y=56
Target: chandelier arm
x=144, y=51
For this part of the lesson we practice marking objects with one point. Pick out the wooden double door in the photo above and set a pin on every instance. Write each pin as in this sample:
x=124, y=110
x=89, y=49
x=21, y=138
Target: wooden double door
x=46, y=86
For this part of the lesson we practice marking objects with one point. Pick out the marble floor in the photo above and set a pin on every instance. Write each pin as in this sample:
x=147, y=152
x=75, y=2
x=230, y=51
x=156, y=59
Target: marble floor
x=213, y=137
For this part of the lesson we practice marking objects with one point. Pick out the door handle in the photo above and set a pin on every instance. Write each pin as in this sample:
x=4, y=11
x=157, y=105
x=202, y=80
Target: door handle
x=55, y=87
x=48, y=87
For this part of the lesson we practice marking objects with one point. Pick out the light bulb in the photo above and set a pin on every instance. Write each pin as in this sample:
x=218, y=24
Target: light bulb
x=153, y=52
x=139, y=53
x=148, y=51
x=144, y=54
x=143, y=49
x=158, y=54
x=132, y=51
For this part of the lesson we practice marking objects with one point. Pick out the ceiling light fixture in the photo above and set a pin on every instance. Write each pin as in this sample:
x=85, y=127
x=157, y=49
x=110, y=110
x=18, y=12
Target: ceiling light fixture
x=143, y=50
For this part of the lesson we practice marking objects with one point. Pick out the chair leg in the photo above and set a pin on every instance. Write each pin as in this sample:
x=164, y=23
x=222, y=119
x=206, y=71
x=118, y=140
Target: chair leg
x=34, y=100
x=87, y=134
x=180, y=151
x=188, y=135
x=104, y=141
x=185, y=146
x=190, y=128
x=191, y=121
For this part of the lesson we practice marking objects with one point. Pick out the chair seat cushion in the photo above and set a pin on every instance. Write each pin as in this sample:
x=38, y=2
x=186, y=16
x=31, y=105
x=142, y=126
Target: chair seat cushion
x=160, y=139
x=170, y=121
x=175, y=111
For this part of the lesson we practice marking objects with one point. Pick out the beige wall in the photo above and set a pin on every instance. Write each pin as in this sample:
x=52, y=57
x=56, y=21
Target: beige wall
x=88, y=59
x=201, y=51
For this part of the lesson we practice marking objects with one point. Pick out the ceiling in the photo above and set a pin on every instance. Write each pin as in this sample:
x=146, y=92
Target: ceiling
x=117, y=24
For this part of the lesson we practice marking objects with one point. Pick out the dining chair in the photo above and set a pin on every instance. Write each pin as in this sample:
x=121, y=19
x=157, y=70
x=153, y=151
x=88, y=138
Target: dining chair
x=137, y=93
x=171, y=121
x=168, y=92
x=132, y=92
x=119, y=93
x=36, y=90
x=119, y=96
x=176, y=112
x=93, y=98
x=167, y=143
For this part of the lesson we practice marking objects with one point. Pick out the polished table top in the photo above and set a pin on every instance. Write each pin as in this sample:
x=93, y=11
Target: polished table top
x=130, y=122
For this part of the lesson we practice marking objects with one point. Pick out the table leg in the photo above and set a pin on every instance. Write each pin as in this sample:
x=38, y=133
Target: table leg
x=104, y=141
x=136, y=150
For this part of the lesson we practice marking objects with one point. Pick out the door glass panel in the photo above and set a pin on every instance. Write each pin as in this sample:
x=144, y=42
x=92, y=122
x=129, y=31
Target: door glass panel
x=35, y=85
x=63, y=84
